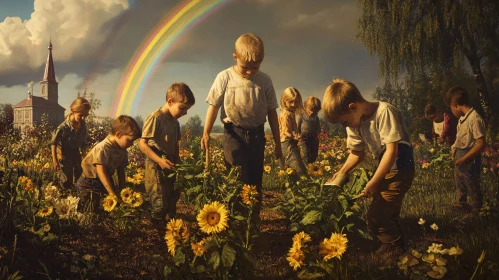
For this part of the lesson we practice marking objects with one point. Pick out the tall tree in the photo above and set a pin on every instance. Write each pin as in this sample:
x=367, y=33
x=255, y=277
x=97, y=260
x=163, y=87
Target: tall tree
x=433, y=37
x=6, y=118
x=95, y=104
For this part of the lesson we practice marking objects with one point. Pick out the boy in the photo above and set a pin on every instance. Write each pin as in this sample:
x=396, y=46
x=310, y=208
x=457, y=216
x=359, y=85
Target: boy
x=106, y=158
x=246, y=97
x=470, y=143
x=380, y=127
x=160, y=143
x=309, y=126
x=444, y=125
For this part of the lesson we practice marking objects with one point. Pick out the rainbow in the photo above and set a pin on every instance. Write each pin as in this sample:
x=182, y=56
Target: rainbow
x=154, y=49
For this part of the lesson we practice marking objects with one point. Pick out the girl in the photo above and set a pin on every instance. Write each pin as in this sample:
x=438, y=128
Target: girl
x=69, y=141
x=309, y=127
x=291, y=103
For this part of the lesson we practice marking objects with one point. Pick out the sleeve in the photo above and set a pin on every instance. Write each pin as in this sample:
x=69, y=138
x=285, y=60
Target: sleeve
x=217, y=91
x=390, y=126
x=286, y=125
x=83, y=137
x=270, y=95
x=318, y=125
x=57, y=137
x=149, y=127
x=124, y=163
x=179, y=137
x=298, y=123
x=100, y=155
x=354, y=141
x=478, y=128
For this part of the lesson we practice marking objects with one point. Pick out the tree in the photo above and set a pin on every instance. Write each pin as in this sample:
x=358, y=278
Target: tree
x=433, y=37
x=194, y=126
x=139, y=120
x=94, y=104
x=6, y=118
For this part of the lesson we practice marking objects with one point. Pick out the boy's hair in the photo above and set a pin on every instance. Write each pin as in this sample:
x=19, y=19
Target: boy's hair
x=180, y=92
x=430, y=110
x=338, y=95
x=313, y=104
x=458, y=95
x=249, y=47
x=291, y=93
x=127, y=125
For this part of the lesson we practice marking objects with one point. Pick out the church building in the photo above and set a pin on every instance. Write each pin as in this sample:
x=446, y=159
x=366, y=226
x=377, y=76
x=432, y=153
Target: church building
x=29, y=111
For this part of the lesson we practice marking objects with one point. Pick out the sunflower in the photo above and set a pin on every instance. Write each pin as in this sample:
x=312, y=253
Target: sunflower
x=198, y=248
x=333, y=247
x=126, y=195
x=176, y=232
x=295, y=258
x=248, y=194
x=301, y=238
x=267, y=168
x=109, y=203
x=290, y=171
x=213, y=218
x=29, y=186
x=137, y=199
x=45, y=211
x=315, y=170
x=281, y=173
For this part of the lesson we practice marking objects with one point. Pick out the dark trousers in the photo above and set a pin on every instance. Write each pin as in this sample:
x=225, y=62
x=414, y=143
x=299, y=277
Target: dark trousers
x=246, y=148
x=309, y=145
x=71, y=169
x=90, y=191
x=383, y=215
x=161, y=191
x=292, y=158
x=467, y=178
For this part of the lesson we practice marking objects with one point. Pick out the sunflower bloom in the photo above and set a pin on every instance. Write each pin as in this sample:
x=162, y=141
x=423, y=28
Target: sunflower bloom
x=315, y=170
x=295, y=258
x=109, y=203
x=290, y=171
x=137, y=199
x=301, y=238
x=198, y=248
x=333, y=247
x=267, y=168
x=45, y=211
x=126, y=195
x=248, y=194
x=213, y=218
x=176, y=232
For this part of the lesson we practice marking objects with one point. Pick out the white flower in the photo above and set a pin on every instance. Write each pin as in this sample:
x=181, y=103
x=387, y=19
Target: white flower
x=51, y=193
x=421, y=221
x=434, y=227
x=66, y=208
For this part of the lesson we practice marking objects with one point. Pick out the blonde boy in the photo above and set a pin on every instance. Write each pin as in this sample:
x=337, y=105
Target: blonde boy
x=106, y=158
x=159, y=142
x=380, y=127
x=467, y=149
x=246, y=97
x=309, y=127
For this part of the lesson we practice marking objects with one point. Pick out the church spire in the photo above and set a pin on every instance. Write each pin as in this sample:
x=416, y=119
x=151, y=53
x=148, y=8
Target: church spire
x=49, y=75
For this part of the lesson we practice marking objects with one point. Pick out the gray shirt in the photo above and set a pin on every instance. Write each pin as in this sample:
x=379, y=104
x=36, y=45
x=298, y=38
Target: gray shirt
x=308, y=125
x=68, y=139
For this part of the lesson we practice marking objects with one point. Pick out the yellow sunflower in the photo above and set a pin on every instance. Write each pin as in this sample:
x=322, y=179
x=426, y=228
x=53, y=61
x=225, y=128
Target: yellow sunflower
x=281, y=173
x=198, y=248
x=290, y=171
x=295, y=258
x=248, y=194
x=126, y=195
x=176, y=232
x=333, y=247
x=45, y=211
x=301, y=238
x=267, y=168
x=315, y=170
x=29, y=186
x=137, y=199
x=109, y=203
x=213, y=218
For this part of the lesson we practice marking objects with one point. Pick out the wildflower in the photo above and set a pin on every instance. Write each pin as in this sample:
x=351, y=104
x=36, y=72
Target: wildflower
x=248, y=194
x=432, y=150
x=88, y=257
x=300, y=238
x=126, y=195
x=437, y=272
x=434, y=227
x=290, y=171
x=416, y=253
x=65, y=208
x=407, y=261
x=434, y=248
x=46, y=166
x=137, y=199
x=45, y=211
x=109, y=203
x=176, y=232
x=482, y=256
x=198, y=248
x=333, y=247
x=440, y=261
x=51, y=193
x=267, y=168
x=327, y=168
x=29, y=186
x=421, y=221
x=213, y=218
x=429, y=258
x=281, y=173
x=315, y=170
x=295, y=258
x=425, y=165
x=454, y=251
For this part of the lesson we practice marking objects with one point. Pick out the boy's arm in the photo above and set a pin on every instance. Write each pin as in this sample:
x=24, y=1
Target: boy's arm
x=386, y=163
x=318, y=128
x=274, y=127
x=54, y=157
x=354, y=158
x=162, y=162
x=105, y=179
x=298, y=124
x=211, y=116
x=476, y=150
x=121, y=178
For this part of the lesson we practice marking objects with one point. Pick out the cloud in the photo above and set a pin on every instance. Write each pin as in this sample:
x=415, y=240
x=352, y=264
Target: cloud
x=76, y=28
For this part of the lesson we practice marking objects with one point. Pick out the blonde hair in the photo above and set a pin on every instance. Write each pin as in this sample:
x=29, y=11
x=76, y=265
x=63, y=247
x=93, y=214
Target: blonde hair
x=180, y=92
x=127, y=125
x=249, y=47
x=79, y=105
x=292, y=93
x=313, y=104
x=338, y=95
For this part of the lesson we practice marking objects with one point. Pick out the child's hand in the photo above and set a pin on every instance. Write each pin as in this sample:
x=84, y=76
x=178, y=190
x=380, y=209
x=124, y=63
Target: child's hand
x=459, y=161
x=278, y=153
x=370, y=190
x=205, y=142
x=56, y=165
x=166, y=164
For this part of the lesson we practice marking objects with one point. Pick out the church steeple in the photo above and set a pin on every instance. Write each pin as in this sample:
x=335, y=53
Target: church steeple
x=49, y=86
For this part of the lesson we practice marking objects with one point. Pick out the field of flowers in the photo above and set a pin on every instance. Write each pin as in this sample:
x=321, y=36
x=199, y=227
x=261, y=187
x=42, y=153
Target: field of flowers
x=305, y=230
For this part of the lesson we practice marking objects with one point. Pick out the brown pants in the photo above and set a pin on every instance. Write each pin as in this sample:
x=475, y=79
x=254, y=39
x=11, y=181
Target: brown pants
x=160, y=190
x=384, y=212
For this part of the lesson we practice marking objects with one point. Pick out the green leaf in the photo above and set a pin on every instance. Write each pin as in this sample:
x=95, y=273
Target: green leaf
x=349, y=226
x=228, y=255
x=215, y=260
x=240, y=218
x=179, y=257
x=307, y=275
x=311, y=217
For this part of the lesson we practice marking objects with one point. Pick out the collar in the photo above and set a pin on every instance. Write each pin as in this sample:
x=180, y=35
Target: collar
x=465, y=117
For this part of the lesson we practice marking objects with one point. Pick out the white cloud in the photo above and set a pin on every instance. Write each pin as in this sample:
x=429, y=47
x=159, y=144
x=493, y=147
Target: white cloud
x=75, y=26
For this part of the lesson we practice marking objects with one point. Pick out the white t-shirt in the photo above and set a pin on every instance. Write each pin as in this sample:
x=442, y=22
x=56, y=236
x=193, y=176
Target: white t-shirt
x=438, y=128
x=384, y=127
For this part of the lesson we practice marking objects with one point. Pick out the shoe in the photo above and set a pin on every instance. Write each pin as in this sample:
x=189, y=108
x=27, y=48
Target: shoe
x=388, y=254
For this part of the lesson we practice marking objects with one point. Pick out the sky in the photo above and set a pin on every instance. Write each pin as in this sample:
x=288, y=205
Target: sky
x=307, y=43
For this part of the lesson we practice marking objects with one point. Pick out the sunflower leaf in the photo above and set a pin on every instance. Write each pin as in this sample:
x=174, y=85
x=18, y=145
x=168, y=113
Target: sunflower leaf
x=215, y=260
x=228, y=255
x=311, y=217
x=240, y=218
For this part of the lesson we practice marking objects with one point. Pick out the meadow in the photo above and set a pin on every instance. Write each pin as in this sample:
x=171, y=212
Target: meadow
x=306, y=230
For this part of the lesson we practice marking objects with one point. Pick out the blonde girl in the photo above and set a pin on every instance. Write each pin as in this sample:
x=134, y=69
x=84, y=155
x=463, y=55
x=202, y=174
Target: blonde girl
x=69, y=141
x=309, y=127
x=291, y=104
